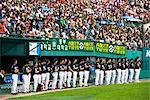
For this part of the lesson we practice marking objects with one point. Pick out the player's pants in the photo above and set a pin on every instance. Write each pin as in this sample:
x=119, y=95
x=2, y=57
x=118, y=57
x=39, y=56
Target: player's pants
x=81, y=73
x=126, y=75
x=101, y=77
x=118, y=76
x=86, y=77
x=37, y=80
x=122, y=76
x=74, y=78
x=65, y=77
x=47, y=80
x=14, y=83
x=97, y=77
x=28, y=89
x=113, y=76
x=131, y=75
x=137, y=74
x=69, y=78
x=61, y=79
x=26, y=82
x=43, y=77
x=108, y=76
x=55, y=77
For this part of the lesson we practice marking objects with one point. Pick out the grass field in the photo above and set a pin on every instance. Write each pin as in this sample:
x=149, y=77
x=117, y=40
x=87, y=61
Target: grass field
x=132, y=91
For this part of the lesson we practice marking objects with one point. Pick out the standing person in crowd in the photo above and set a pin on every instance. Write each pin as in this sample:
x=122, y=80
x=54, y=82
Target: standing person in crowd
x=86, y=72
x=26, y=77
x=44, y=71
x=123, y=67
x=55, y=69
x=118, y=81
x=75, y=68
x=69, y=73
x=37, y=76
x=131, y=70
x=81, y=72
x=48, y=68
x=114, y=67
x=102, y=71
x=137, y=69
x=126, y=70
x=97, y=71
x=15, y=71
x=61, y=73
x=108, y=71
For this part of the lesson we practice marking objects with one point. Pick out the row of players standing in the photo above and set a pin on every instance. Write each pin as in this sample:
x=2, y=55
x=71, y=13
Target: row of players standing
x=120, y=71
x=110, y=72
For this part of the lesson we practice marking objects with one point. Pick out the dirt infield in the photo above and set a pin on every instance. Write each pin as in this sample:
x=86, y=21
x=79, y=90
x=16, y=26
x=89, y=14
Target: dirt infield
x=6, y=97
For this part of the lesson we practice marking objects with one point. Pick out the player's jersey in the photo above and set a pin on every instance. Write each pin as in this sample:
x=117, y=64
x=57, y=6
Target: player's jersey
x=48, y=68
x=123, y=66
x=98, y=66
x=62, y=67
x=127, y=65
x=119, y=65
x=13, y=68
x=138, y=65
x=37, y=70
x=24, y=69
x=55, y=68
x=102, y=66
x=75, y=67
x=114, y=67
x=81, y=67
x=132, y=65
x=86, y=67
x=44, y=68
x=108, y=66
x=68, y=68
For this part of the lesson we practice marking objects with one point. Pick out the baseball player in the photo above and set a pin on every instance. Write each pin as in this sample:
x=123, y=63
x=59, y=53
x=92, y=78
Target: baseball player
x=55, y=70
x=131, y=70
x=75, y=68
x=65, y=72
x=108, y=71
x=61, y=73
x=123, y=67
x=102, y=70
x=97, y=72
x=44, y=71
x=86, y=73
x=69, y=74
x=137, y=69
x=37, y=75
x=48, y=68
x=126, y=70
x=118, y=81
x=81, y=72
x=113, y=71
x=14, y=70
x=26, y=77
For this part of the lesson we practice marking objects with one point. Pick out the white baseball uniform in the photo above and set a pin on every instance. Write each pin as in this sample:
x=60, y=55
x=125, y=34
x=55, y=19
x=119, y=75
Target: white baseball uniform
x=75, y=73
x=14, y=79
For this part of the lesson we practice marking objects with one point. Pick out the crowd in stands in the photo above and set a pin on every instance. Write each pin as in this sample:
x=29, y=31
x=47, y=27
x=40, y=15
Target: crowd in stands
x=95, y=20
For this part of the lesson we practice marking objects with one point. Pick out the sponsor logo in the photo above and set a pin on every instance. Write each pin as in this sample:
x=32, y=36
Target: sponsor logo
x=147, y=53
x=111, y=48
